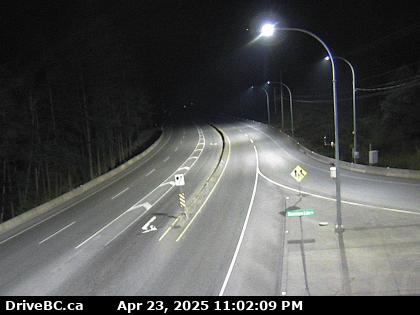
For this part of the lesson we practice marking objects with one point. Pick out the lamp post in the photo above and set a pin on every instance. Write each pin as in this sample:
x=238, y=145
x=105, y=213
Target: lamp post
x=355, y=157
x=268, y=104
x=290, y=103
x=266, y=33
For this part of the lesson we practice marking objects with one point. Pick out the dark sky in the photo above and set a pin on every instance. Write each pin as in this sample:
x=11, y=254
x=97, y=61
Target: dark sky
x=198, y=50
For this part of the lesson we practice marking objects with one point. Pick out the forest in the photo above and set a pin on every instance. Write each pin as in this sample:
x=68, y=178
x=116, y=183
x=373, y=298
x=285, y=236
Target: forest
x=71, y=107
x=388, y=120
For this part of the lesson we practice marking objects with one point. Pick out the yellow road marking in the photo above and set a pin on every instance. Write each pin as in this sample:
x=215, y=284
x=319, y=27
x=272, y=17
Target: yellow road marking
x=211, y=192
x=168, y=229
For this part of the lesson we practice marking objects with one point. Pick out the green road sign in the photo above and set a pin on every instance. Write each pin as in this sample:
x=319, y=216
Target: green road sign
x=300, y=212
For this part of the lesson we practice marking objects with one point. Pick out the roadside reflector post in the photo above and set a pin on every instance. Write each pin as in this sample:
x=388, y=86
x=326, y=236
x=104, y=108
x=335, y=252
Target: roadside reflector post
x=182, y=200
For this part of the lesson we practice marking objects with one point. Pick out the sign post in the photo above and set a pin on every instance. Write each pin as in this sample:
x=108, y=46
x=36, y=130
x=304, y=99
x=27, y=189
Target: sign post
x=298, y=175
x=182, y=201
x=300, y=213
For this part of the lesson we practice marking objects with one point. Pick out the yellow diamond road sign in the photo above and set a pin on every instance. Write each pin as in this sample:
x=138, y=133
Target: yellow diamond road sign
x=298, y=174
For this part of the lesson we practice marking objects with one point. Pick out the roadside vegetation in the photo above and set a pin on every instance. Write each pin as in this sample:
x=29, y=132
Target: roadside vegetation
x=72, y=106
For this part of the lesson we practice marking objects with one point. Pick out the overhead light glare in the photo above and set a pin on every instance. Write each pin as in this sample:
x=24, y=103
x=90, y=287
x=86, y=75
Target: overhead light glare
x=267, y=30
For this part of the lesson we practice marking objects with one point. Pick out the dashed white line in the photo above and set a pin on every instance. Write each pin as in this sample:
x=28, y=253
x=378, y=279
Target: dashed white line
x=138, y=204
x=67, y=226
x=120, y=193
x=150, y=172
x=82, y=199
x=166, y=159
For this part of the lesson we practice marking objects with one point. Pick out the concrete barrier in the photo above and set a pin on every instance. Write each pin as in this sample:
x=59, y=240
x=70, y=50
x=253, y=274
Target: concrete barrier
x=54, y=204
x=201, y=193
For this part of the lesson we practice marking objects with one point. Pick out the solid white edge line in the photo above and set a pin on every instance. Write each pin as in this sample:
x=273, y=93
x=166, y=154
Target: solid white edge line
x=238, y=246
x=126, y=228
x=140, y=201
x=67, y=226
x=284, y=148
x=87, y=196
x=333, y=199
x=120, y=193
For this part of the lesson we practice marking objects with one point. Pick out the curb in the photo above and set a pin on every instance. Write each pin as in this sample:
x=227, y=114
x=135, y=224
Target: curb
x=199, y=195
x=82, y=189
x=358, y=168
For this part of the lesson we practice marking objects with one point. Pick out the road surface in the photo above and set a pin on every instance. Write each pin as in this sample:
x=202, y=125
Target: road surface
x=121, y=239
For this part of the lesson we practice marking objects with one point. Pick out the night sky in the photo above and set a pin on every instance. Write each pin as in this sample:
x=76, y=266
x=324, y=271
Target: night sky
x=199, y=50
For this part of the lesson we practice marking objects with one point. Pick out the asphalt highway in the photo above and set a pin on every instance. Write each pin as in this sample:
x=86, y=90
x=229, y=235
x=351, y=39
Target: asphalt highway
x=129, y=237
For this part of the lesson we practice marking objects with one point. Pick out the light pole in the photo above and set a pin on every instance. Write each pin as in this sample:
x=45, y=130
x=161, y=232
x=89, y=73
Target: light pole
x=266, y=33
x=354, y=153
x=268, y=104
x=290, y=103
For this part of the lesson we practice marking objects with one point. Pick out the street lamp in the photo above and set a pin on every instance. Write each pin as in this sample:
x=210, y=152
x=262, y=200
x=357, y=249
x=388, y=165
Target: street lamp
x=290, y=103
x=339, y=225
x=355, y=157
x=268, y=103
x=267, y=30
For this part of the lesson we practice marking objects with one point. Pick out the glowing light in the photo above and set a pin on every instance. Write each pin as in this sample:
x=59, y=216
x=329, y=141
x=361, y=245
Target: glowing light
x=267, y=30
x=327, y=58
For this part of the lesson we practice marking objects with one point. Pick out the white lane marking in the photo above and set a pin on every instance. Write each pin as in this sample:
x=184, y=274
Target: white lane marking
x=193, y=157
x=184, y=168
x=150, y=172
x=128, y=226
x=52, y=235
x=120, y=193
x=176, y=149
x=208, y=196
x=148, y=227
x=137, y=205
x=169, y=228
x=172, y=183
x=251, y=141
x=32, y=226
x=238, y=246
x=166, y=159
x=145, y=205
x=386, y=181
x=333, y=199
x=87, y=196
x=103, y=228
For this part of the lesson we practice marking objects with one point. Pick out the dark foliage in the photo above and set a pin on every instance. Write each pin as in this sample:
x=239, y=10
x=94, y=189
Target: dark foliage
x=70, y=109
